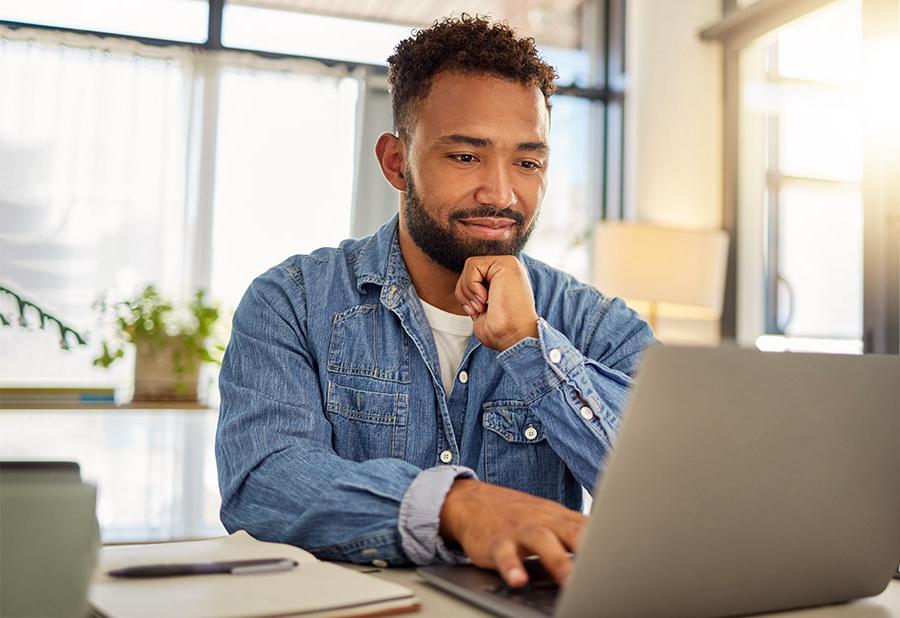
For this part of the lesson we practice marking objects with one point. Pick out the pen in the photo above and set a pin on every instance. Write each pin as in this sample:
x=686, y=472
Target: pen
x=234, y=567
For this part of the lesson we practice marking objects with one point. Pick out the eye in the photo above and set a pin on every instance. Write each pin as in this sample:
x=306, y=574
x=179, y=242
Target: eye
x=530, y=165
x=463, y=157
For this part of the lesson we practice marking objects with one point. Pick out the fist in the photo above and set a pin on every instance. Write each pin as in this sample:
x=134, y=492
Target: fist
x=494, y=290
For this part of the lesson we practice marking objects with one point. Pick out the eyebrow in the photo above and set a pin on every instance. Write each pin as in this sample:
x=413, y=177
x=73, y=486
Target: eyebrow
x=483, y=142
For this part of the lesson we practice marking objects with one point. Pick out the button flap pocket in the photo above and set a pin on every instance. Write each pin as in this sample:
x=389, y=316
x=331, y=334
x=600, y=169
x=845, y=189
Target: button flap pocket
x=513, y=421
x=366, y=341
x=368, y=406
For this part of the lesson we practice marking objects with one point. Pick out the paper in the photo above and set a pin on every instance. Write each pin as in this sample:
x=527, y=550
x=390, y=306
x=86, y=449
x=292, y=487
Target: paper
x=313, y=588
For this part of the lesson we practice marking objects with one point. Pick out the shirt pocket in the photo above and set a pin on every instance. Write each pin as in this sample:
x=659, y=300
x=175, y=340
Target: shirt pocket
x=367, y=424
x=366, y=340
x=516, y=451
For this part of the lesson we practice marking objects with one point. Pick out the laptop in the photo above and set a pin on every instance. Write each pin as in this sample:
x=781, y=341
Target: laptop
x=741, y=482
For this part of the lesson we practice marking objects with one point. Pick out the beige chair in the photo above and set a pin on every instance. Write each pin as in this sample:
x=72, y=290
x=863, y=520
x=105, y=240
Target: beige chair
x=662, y=271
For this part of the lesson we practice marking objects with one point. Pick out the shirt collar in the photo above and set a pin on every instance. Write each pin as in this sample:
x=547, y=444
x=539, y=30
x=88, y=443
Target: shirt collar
x=380, y=262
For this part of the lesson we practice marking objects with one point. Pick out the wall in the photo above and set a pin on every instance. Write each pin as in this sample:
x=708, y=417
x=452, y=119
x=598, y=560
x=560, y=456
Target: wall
x=673, y=124
x=673, y=113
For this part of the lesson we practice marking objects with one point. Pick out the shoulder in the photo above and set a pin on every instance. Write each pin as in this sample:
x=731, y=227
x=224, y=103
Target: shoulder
x=299, y=270
x=597, y=324
x=552, y=286
x=290, y=282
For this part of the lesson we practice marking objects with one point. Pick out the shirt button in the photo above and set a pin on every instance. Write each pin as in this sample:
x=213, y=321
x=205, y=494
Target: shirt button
x=381, y=564
x=586, y=413
x=463, y=377
x=555, y=356
x=531, y=433
x=446, y=456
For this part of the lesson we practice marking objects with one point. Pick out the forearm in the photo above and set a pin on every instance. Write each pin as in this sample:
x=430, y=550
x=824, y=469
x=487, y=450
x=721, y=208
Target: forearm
x=295, y=489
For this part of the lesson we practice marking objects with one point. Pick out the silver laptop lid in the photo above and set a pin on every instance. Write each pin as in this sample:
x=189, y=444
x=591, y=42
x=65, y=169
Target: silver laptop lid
x=743, y=482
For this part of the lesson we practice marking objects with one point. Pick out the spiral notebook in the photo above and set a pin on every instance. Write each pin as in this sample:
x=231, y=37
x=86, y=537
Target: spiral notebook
x=313, y=589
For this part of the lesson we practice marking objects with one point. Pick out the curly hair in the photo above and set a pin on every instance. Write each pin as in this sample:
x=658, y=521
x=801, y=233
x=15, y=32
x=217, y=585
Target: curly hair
x=467, y=44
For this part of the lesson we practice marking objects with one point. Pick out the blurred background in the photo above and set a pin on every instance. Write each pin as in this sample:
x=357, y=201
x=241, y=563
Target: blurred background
x=189, y=145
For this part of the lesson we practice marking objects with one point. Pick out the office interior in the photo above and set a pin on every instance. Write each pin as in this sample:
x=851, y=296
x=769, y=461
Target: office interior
x=150, y=151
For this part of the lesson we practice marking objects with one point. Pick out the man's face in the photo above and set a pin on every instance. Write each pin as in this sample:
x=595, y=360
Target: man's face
x=476, y=168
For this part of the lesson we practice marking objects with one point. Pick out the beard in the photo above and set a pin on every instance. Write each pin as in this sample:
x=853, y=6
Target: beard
x=444, y=246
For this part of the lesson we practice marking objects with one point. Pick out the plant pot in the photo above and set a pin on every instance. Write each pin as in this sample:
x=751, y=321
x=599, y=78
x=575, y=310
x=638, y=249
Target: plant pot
x=156, y=377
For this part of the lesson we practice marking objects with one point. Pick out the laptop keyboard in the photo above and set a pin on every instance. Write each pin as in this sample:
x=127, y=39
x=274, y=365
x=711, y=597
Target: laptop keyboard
x=539, y=595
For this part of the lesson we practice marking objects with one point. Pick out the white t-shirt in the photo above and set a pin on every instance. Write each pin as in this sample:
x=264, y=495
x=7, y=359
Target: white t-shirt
x=451, y=337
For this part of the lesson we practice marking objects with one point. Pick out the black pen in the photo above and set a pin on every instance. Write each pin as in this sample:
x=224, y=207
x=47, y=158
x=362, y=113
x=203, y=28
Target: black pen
x=234, y=567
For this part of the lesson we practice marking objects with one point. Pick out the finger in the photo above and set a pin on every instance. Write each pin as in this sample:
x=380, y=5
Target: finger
x=567, y=514
x=475, y=292
x=509, y=564
x=550, y=550
x=570, y=534
x=474, y=279
x=467, y=295
x=554, y=510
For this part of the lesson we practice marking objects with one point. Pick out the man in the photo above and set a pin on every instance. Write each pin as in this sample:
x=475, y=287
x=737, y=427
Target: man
x=360, y=417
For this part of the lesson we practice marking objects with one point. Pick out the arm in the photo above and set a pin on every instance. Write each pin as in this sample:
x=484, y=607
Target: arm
x=279, y=477
x=579, y=396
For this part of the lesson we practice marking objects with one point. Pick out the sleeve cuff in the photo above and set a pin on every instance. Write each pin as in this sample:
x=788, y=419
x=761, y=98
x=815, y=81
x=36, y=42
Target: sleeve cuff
x=420, y=511
x=539, y=365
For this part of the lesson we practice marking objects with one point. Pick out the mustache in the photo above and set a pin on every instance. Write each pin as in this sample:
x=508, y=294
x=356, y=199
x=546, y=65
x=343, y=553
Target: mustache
x=488, y=211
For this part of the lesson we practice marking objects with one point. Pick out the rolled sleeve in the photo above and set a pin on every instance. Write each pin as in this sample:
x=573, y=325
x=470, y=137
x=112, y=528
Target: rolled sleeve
x=420, y=511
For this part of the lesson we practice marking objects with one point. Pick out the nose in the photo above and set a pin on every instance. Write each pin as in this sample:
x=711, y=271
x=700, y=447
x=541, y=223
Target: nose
x=495, y=186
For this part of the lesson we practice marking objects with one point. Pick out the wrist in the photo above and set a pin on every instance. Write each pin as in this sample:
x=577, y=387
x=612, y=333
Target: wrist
x=452, y=515
x=529, y=329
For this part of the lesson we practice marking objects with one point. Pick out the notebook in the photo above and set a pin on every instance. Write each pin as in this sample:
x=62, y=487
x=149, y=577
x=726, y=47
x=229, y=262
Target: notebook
x=314, y=589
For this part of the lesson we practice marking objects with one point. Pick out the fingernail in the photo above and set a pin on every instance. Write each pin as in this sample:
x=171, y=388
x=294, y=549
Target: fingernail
x=515, y=577
x=468, y=310
x=477, y=304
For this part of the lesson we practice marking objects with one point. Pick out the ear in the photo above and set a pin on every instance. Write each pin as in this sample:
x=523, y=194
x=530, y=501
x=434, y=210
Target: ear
x=391, y=154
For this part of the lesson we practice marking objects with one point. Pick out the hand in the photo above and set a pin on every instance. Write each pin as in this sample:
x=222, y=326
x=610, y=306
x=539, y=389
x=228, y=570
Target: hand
x=497, y=527
x=495, y=292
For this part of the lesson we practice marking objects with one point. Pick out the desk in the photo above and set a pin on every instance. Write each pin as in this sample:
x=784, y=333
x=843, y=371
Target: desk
x=438, y=604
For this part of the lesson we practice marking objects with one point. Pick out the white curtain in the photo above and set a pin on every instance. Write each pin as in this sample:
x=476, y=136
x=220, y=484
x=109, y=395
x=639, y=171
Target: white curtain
x=92, y=182
x=100, y=181
x=284, y=166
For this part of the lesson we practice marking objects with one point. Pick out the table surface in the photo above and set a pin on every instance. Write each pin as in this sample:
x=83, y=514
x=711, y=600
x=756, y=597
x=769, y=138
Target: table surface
x=155, y=469
x=436, y=603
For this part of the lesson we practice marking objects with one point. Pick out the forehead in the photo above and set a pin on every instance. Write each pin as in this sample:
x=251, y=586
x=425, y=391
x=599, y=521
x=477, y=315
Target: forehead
x=482, y=106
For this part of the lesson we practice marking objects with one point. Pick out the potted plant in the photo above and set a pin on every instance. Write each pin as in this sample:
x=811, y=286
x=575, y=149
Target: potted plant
x=171, y=343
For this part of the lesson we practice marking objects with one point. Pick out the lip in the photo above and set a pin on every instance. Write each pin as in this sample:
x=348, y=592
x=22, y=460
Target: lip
x=488, y=228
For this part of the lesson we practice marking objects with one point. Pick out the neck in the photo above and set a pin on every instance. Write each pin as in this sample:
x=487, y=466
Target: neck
x=434, y=284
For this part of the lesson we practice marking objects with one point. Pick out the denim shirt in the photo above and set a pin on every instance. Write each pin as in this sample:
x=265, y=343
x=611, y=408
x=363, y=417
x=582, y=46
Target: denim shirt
x=335, y=433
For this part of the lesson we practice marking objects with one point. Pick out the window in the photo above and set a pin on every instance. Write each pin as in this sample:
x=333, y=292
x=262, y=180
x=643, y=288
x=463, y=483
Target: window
x=567, y=214
x=178, y=20
x=304, y=34
x=801, y=173
x=283, y=182
x=189, y=166
x=92, y=182
x=811, y=135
